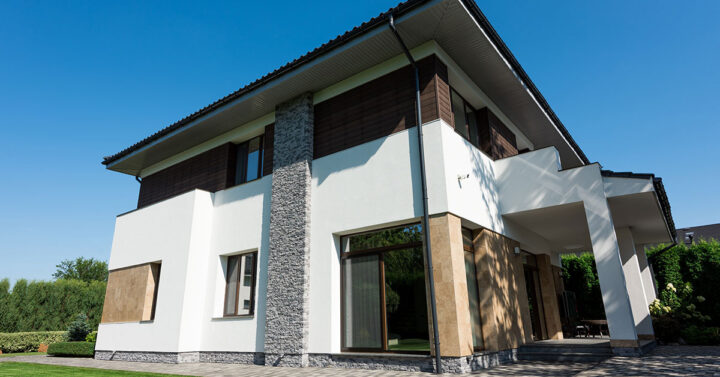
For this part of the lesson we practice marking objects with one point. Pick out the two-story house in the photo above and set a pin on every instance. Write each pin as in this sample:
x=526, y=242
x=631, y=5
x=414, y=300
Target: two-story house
x=305, y=220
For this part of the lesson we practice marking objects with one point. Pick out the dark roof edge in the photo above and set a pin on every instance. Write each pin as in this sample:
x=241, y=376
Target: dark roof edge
x=660, y=193
x=340, y=40
x=505, y=51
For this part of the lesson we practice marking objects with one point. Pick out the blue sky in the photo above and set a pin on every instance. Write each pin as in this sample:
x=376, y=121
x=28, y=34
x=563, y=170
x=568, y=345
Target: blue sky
x=634, y=82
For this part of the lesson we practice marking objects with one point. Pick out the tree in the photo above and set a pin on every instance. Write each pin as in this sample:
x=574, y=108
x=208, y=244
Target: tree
x=78, y=329
x=87, y=270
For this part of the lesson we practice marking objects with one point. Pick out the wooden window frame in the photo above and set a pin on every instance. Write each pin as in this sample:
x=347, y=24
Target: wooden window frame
x=379, y=251
x=242, y=170
x=238, y=284
x=466, y=106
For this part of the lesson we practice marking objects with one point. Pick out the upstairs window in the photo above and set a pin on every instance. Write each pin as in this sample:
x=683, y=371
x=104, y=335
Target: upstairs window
x=465, y=118
x=249, y=163
x=240, y=284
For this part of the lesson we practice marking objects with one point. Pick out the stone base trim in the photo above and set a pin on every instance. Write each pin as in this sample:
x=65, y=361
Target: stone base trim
x=149, y=357
x=646, y=337
x=257, y=358
x=415, y=363
x=286, y=360
x=643, y=348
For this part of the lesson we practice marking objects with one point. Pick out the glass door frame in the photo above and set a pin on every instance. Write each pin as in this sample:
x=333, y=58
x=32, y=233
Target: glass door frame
x=379, y=251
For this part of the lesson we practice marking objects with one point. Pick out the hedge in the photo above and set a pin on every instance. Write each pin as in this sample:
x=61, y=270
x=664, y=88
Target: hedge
x=72, y=349
x=49, y=305
x=28, y=341
x=697, y=264
x=580, y=276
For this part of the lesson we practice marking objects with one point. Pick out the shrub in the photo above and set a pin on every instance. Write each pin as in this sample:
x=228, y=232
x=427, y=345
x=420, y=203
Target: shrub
x=78, y=329
x=701, y=336
x=28, y=341
x=72, y=349
x=92, y=337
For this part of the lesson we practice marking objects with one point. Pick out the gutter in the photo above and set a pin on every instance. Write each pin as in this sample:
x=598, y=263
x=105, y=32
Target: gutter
x=426, y=216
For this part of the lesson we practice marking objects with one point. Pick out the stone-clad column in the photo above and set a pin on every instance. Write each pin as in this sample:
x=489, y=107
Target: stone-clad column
x=286, y=326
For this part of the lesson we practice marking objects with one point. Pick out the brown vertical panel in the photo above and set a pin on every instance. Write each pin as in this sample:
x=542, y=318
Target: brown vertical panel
x=269, y=139
x=379, y=108
x=208, y=171
x=496, y=140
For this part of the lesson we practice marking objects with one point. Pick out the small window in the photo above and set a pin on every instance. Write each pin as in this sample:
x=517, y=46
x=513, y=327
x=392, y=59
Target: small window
x=240, y=268
x=466, y=123
x=249, y=163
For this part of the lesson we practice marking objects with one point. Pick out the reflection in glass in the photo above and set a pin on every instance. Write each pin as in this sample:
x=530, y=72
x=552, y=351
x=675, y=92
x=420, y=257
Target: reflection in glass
x=458, y=108
x=405, y=301
x=231, y=279
x=361, y=302
x=473, y=299
x=387, y=237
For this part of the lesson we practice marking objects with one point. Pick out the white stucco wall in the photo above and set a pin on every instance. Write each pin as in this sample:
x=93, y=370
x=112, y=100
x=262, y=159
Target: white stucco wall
x=189, y=234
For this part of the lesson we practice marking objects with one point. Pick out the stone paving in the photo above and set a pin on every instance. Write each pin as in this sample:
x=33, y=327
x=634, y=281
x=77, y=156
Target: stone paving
x=664, y=361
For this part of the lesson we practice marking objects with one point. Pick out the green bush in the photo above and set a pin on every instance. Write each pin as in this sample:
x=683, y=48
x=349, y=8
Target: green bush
x=72, y=349
x=580, y=276
x=697, y=264
x=92, y=337
x=78, y=329
x=701, y=336
x=48, y=305
x=28, y=341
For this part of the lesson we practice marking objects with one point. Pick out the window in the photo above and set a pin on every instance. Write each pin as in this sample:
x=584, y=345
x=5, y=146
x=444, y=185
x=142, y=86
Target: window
x=465, y=118
x=473, y=289
x=240, y=268
x=383, y=291
x=249, y=163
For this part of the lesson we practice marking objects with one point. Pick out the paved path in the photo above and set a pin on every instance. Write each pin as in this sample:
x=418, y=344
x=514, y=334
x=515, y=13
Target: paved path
x=665, y=361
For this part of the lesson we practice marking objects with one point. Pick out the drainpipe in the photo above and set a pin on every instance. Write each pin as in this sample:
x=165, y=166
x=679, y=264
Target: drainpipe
x=426, y=217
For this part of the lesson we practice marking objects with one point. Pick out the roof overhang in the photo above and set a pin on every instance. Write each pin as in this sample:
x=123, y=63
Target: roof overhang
x=457, y=26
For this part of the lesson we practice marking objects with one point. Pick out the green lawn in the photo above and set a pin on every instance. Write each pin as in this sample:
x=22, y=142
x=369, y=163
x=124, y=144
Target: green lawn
x=22, y=354
x=43, y=370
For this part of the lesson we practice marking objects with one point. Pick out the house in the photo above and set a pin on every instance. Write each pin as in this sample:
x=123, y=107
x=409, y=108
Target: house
x=305, y=220
x=697, y=233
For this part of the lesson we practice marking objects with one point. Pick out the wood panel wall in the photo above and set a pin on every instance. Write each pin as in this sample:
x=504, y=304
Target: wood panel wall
x=212, y=171
x=496, y=140
x=381, y=107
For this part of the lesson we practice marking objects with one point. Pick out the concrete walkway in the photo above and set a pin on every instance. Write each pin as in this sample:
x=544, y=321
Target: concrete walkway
x=665, y=361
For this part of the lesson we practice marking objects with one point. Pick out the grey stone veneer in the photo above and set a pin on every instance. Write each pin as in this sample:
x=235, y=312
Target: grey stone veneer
x=149, y=357
x=286, y=323
x=417, y=363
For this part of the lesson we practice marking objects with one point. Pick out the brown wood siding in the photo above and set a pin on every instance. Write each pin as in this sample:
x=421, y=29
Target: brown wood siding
x=381, y=107
x=268, y=141
x=211, y=171
x=496, y=140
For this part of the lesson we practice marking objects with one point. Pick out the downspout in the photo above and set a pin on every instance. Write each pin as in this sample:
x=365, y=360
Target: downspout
x=426, y=217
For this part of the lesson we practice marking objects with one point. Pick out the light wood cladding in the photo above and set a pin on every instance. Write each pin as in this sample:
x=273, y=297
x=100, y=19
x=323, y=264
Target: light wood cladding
x=131, y=294
x=553, y=325
x=454, y=323
x=504, y=307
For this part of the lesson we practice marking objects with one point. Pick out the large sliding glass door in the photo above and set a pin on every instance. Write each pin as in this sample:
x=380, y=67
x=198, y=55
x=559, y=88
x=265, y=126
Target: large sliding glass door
x=383, y=291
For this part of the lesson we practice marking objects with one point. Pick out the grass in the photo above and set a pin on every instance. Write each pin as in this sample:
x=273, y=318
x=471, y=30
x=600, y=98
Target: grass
x=410, y=345
x=43, y=370
x=22, y=354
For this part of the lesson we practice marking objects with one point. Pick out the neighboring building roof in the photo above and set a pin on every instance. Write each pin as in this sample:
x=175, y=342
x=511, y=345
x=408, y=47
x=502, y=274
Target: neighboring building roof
x=379, y=21
x=701, y=232
x=659, y=192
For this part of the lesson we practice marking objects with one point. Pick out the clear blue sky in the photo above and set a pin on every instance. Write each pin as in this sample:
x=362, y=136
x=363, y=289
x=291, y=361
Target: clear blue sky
x=636, y=83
